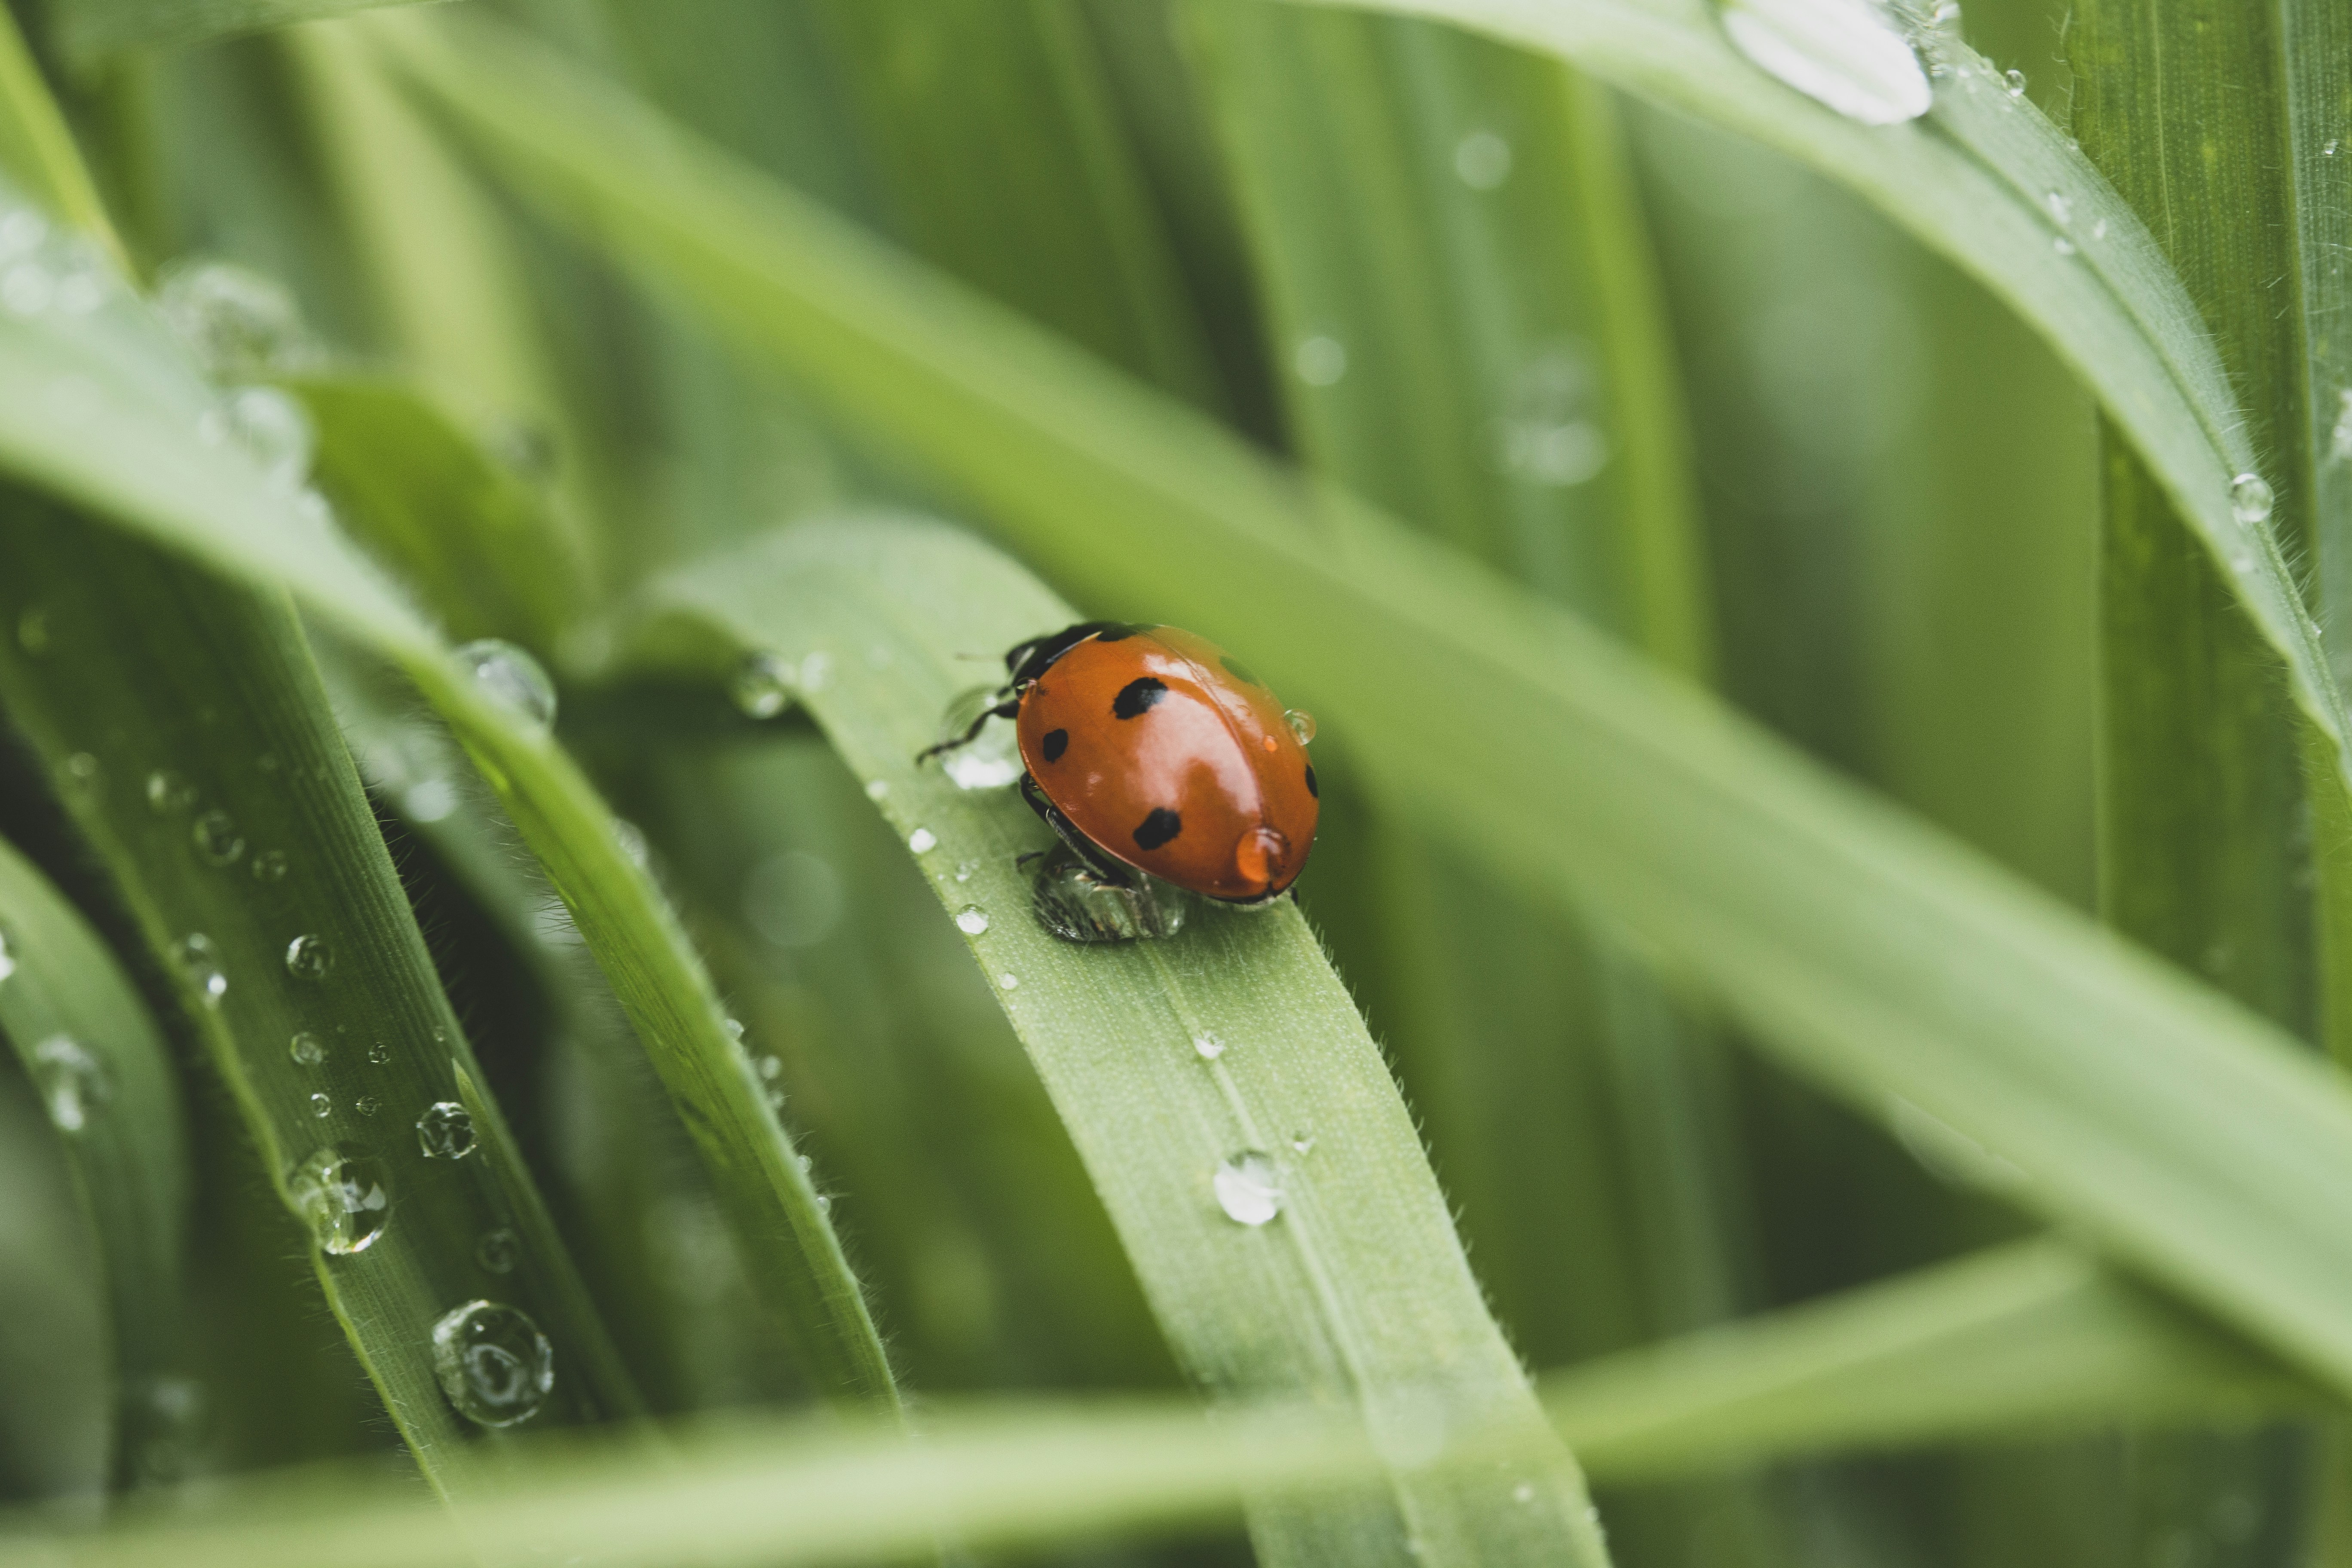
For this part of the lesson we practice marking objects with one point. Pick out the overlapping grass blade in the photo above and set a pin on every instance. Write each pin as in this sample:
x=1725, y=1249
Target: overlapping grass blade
x=89, y=1046
x=2178, y=1132
x=1171, y=1061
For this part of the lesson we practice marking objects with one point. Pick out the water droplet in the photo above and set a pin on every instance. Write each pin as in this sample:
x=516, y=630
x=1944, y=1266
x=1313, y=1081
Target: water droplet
x=218, y=839
x=2250, y=499
x=7, y=955
x=275, y=429
x=1209, y=1046
x=1524, y=1493
x=1247, y=1189
x=2063, y=246
x=2098, y=228
x=824, y=1202
x=198, y=963
x=762, y=685
x=379, y=1053
x=511, y=679
x=2061, y=210
x=1482, y=161
x=78, y=774
x=344, y=1201
x=72, y=1084
x=964, y=868
x=816, y=671
x=269, y=866
x=33, y=631
x=237, y=322
x=2014, y=82
x=631, y=840
x=878, y=789
x=992, y=758
x=307, y=1049
x=446, y=1131
x=1843, y=54
x=1320, y=361
x=367, y=1105
x=27, y=289
x=1302, y=1143
x=2340, y=439
x=922, y=841
x=2329, y=151
x=1548, y=432
x=429, y=800
x=168, y=792
x=1302, y=724
x=320, y=1105
x=1008, y=981
x=498, y=1250
x=309, y=957
x=495, y=1365
x=1074, y=902
x=734, y=1027
x=771, y=1068
x=972, y=919
x=794, y=898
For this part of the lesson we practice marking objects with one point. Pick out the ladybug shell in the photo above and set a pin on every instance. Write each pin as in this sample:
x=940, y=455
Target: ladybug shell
x=1173, y=758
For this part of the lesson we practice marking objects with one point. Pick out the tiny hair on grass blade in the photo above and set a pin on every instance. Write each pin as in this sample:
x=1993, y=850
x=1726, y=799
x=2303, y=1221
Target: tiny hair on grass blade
x=1169, y=1060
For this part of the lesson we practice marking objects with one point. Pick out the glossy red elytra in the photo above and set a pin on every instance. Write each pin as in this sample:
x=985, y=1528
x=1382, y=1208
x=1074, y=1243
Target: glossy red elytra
x=1151, y=749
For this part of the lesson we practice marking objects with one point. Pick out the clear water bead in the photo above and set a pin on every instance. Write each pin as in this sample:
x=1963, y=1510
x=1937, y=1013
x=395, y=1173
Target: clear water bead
x=307, y=1049
x=200, y=963
x=1208, y=1047
x=1008, y=981
x=269, y=866
x=1247, y=1189
x=78, y=774
x=379, y=1053
x=762, y=685
x=2061, y=210
x=344, y=1201
x=1482, y=161
x=1302, y=724
x=1302, y=1143
x=7, y=954
x=321, y=1107
x=446, y=1131
x=1320, y=361
x=367, y=1105
x=631, y=840
x=2013, y=81
x=922, y=841
x=992, y=758
x=72, y=1084
x=499, y=1251
x=167, y=791
x=309, y=957
x=217, y=840
x=972, y=919
x=275, y=429
x=512, y=678
x=816, y=671
x=494, y=1365
x=1843, y=54
x=2250, y=499
x=2063, y=246
x=237, y=322
x=878, y=789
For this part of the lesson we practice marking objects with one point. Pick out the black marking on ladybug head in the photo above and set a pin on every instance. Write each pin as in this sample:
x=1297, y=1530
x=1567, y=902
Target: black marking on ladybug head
x=1310, y=775
x=1238, y=670
x=1137, y=695
x=1119, y=631
x=1057, y=742
x=1159, y=828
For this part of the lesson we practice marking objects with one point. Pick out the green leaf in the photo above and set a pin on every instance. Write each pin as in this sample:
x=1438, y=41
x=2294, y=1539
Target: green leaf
x=90, y=30
x=2182, y=1135
x=92, y=1051
x=1169, y=1060
x=38, y=150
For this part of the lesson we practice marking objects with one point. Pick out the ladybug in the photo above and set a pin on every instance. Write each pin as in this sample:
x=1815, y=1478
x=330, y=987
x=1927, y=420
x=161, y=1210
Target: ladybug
x=1149, y=749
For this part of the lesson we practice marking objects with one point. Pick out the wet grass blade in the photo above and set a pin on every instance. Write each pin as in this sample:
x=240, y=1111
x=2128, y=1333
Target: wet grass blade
x=1172, y=1061
x=36, y=147
x=1878, y=959
x=90, y=30
x=91, y=1048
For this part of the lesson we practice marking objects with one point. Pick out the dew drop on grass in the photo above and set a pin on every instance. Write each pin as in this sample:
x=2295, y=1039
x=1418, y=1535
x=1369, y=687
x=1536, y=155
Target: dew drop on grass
x=1301, y=1142
x=2250, y=499
x=762, y=685
x=1482, y=161
x=200, y=963
x=878, y=789
x=33, y=631
x=78, y=774
x=7, y=954
x=1302, y=724
x=168, y=792
x=922, y=841
x=309, y=957
x=72, y=1082
x=1208, y=1047
x=511, y=679
x=771, y=1068
x=446, y=1131
x=631, y=840
x=816, y=671
x=1008, y=981
x=1320, y=361
x=992, y=758
x=2013, y=82
x=972, y=919
x=367, y=1105
x=1247, y=1189
x=498, y=1250
x=307, y=1049
x=269, y=866
x=379, y=1053
x=1844, y=54
x=217, y=840
x=734, y=1027
x=965, y=869
x=2063, y=246
x=494, y=1365
x=272, y=427
x=344, y=1201
x=2061, y=210
x=237, y=322
x=321, y=1106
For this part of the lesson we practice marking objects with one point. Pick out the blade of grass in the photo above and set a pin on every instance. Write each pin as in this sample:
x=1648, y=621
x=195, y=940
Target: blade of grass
x=91, y=1048
x=38, y=149
x=1357, y=1293
x=90, y=30
x=194, y=752
x=1877, y=958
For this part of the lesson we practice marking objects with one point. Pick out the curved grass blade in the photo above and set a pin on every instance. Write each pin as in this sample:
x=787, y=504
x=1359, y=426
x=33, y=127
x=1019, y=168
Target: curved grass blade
x=2177, y=1131
x=192, y=747
x=38, y=149
x=90, y=30
x=92, y=1049
x=1171, y=1061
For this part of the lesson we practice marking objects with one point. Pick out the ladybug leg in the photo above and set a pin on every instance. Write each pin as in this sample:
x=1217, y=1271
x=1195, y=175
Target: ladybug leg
x=1008, y=709
x=1084, y=847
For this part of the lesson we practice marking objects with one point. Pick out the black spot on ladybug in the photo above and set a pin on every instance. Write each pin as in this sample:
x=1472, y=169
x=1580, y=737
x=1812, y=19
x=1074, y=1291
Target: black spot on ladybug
x=1238, y=670
x=1157, y=828
x=1057, y=742
x=1317, y=794
x=1119, y=631
x=1137, y=695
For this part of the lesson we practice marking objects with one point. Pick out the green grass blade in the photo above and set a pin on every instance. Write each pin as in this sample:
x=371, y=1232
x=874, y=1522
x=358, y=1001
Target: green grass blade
x=38, y=149
x=90, y=30
x=184, y=726
x=1357, y=1293
x=1875, y=957
x=91, y=1048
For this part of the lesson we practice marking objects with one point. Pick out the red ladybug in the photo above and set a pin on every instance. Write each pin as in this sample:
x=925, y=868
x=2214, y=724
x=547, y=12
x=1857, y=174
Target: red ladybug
x=1149, y=748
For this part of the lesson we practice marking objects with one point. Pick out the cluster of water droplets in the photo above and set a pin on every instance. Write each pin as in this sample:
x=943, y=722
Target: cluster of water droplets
x=72, y=1083
x=237, y=322
x=45, y=271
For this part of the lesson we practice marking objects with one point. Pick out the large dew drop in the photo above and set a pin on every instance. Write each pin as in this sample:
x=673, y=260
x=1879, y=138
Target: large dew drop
x=309, y=957
x=2250, y=500
x=761, y=686
x=344, y=1201
x=274, y=428
x=992, y=758
x=1077, y=905
x=217, y=840
x=1845, y=54
x=495, y=1365
x=511, y=679
x=71, y=1083
x=446, y=1131
x=239, y=322
x=1247, y=1189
